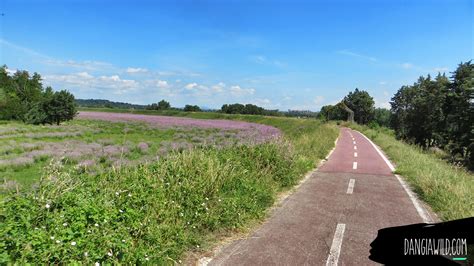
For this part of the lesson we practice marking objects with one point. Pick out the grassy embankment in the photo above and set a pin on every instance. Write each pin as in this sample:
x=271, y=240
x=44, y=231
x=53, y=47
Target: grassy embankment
x=156, y=212
x=448, y=189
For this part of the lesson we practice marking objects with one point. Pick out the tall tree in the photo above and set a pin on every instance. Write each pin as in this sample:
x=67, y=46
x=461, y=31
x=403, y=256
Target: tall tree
x=459, y=108
x=362, y=104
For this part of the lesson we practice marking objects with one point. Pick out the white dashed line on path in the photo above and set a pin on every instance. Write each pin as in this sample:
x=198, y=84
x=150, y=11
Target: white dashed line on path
x=355, y=154
x=335, y=250
x=354, y=142
x=350, y=188
x=355, y=147
x=354, y=165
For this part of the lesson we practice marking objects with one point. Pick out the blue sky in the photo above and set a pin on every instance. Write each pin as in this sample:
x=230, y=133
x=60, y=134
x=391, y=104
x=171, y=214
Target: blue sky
x=276, y=54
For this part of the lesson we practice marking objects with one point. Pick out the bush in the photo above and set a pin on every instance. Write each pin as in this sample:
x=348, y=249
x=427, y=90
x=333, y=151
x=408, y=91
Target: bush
x=152, y=213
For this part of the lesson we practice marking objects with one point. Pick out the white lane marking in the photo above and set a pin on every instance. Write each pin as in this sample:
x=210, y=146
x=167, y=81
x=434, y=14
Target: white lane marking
x=336, y=245
x=350, y=188
x=354, y=142
x=355, y=154
x=354, y=165
x=421, y=211
x=355, y=147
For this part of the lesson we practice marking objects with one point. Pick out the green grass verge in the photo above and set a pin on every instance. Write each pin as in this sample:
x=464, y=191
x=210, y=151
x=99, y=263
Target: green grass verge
x=448, y=189
x=155, y=213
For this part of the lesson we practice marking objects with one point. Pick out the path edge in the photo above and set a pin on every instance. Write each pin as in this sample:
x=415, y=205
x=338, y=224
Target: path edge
x=420, y=206
x=281, y=198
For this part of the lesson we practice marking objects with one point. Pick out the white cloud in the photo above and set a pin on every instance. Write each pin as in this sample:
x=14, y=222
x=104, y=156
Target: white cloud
x=219, y=87
x=238, y=91
x=158, y=83
x=382, y=83
x=191, y=86
x=134, y=70
x=353, y=54
x=85, y=81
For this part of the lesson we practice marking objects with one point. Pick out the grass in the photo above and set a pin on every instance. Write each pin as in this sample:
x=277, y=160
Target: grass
x=15, y=134
x=448, y=189
x=154, y=213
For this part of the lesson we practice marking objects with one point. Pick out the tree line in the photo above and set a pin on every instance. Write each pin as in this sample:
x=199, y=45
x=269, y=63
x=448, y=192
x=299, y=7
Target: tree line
x=433, y=112
x=362, y=104
x=438, y=112
x=23, y=97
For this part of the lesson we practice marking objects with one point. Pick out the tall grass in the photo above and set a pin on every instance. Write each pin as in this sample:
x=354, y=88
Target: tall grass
x=154, y=213
x=448, y=189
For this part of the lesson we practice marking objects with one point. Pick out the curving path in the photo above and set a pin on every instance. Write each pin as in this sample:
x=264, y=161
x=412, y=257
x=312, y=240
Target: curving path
x=332, y=217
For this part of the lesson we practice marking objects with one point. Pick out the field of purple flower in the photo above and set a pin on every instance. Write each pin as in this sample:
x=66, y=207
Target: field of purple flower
x=195, y=180
x=98, y=141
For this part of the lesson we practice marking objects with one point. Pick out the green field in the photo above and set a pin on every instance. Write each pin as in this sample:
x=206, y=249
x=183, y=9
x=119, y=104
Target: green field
x=155, y=211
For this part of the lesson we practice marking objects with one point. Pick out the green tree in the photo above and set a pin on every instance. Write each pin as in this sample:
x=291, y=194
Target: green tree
x=59, y=106
x=362, y=104
x=191, y=108
x=333, y=112
x=161, y=105
x=459, y=109
x=382, y=116
x=23, y=98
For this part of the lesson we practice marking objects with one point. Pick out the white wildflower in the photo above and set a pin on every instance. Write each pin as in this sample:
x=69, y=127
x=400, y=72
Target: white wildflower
x=86, y=254
x=129, y=194
x=57, y=241
x=147, y=258
x=96, y=225
x=207, y=198
x=52, y=238
x=73, y=243
x=47, y=206
x=64, y=224
x=109, y=253
x=97, y=264
x=120, y=211
x=123, y=240
x=116, y=193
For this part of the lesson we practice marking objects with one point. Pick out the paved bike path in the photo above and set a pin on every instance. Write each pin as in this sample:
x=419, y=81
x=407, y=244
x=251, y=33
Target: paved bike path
x=306, y=228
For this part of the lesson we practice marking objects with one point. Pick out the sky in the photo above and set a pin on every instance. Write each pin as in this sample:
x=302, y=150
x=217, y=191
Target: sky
x=297, y=55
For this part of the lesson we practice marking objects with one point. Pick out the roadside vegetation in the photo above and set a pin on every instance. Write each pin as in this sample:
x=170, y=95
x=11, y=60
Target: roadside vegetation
x=447, y=188
x=154, y=212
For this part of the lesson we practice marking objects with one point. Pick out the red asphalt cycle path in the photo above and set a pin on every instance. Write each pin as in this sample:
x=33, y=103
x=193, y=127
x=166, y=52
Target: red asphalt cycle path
x=302, y=230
